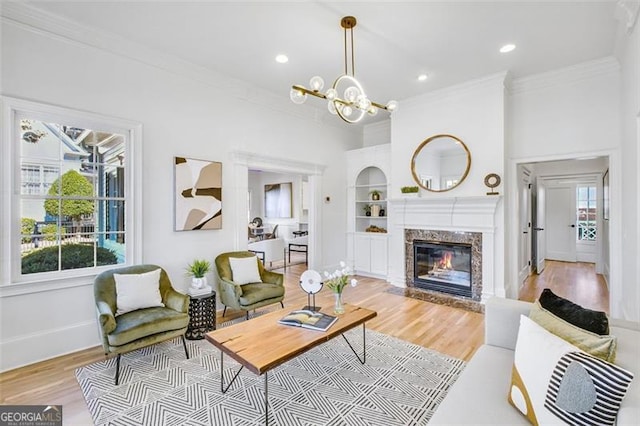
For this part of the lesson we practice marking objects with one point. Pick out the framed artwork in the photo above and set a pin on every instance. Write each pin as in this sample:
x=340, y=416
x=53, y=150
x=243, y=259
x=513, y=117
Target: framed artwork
x=197, y=194
x=605, y=195
x=278, y=200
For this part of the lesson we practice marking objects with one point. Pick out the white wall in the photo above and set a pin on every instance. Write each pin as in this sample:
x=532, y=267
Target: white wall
x=473, y=112
x=181, y=116
x=628, y=53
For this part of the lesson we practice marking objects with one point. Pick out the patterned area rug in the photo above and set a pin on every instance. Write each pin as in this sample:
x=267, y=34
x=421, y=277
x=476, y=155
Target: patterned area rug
x=400, y=384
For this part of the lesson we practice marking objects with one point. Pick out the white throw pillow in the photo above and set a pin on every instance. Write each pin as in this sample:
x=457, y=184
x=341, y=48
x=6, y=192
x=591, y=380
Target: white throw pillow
x=245, y=270
x=554, y=382
x=137, y=291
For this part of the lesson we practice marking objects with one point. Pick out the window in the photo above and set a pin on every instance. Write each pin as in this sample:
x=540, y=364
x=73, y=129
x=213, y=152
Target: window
x=586, y=213
x=72, y=200
x=73, y=210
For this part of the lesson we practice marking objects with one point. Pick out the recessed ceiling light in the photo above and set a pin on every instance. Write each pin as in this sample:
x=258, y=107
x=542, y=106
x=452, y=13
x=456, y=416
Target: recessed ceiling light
x=422, y=77
x=507, y=48
x=282, y=59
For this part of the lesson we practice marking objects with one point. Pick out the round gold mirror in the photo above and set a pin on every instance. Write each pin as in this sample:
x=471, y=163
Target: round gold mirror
x=440, y=163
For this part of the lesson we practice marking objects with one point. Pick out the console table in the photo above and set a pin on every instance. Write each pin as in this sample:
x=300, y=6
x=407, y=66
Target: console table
x=202, y=316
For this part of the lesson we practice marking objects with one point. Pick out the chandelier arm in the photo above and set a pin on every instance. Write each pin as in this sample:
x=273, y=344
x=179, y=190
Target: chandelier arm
x=377, y=105
x=309, y=92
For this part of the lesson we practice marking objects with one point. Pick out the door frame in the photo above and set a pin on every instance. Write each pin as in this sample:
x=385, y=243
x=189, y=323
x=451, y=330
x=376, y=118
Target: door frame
x=243, y=161
x=525, y=229
x=615, y=231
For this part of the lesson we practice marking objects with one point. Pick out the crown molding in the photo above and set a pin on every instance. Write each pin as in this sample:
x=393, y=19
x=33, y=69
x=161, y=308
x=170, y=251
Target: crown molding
x=627, y=13
x=38, y=21
x=565, y=76
x=252, y=159
x=458, y=90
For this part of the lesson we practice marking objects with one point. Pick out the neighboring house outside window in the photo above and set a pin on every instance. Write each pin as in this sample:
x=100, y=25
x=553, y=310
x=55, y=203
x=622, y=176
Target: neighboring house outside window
x=74, y=209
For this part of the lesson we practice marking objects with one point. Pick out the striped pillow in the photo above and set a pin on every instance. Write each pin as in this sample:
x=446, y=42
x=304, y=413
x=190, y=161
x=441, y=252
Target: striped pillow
x=554, y=382
x=586, y=390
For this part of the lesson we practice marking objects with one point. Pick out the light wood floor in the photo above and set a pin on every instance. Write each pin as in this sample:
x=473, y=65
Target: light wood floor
x=455, y=332
x=577, y=282
x=451, y=331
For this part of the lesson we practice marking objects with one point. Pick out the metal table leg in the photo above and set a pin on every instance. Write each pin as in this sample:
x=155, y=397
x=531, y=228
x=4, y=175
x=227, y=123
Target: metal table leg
x=222, y=388
x=225, y=389
x=266, y=399
x=364, y=346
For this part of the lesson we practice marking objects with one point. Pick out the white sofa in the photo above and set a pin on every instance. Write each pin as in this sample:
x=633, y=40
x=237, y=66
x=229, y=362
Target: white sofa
x=479, y=396
x=269, y=251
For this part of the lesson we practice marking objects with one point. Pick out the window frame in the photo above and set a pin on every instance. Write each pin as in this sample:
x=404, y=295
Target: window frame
x=15, y=109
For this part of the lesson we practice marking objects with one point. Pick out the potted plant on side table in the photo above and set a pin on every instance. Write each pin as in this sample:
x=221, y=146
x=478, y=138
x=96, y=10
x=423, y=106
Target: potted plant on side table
x=197, y=270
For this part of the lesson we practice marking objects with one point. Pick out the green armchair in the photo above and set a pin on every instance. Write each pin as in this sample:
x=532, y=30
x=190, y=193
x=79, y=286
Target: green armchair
x=250, y=296
x=142, y=327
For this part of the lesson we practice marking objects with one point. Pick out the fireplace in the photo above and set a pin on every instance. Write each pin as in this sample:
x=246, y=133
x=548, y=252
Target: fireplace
x=442, y=266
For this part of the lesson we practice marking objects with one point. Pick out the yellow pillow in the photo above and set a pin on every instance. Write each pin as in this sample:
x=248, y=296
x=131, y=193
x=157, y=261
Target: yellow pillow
x=603, y=347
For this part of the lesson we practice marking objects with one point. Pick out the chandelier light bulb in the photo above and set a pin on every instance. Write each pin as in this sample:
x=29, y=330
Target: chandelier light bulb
x=346, y=111
x=332, y=108
x=351, y=94
x=362, y=102
x=297, y=96
x=372, y=111
x=392, y=106
x=331, y=94
x=316, y=83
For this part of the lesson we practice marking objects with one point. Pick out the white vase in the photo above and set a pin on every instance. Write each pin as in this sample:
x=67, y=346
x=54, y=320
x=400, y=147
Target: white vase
x=375, y=210
x=198, y=282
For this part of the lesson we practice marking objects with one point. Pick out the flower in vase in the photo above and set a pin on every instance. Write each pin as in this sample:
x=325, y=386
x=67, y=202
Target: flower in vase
x=339, y=279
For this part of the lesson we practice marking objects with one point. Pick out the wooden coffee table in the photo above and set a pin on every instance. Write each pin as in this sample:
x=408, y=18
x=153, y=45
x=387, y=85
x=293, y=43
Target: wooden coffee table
x=242, y=342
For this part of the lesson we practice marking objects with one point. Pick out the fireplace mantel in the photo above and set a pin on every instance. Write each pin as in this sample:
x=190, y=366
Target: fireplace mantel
x=456, y=214
x=446, y=213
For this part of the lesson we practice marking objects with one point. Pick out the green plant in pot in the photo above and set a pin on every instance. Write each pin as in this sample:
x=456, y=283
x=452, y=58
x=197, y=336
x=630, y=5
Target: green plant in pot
x=198, y=270
x=375, y=194
x=367, y=209
x=409, y=189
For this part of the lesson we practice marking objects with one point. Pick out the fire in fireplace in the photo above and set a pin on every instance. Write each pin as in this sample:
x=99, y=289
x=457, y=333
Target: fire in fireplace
x=442, y=266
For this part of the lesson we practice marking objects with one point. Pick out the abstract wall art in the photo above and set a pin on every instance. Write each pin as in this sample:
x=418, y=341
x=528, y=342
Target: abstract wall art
x=198, y=194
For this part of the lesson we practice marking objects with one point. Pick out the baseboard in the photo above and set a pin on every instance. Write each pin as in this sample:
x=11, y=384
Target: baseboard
x=24, y=350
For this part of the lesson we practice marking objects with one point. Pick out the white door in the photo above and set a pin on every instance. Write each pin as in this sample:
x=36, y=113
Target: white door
x=524, y=224
x=561, y=223
x=541, y=233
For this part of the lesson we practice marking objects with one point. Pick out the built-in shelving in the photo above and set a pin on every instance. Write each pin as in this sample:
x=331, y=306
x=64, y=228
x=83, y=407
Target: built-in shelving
x=370, y=179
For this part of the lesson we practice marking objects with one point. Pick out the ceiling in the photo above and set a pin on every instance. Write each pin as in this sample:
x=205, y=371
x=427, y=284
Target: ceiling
x=395, y=41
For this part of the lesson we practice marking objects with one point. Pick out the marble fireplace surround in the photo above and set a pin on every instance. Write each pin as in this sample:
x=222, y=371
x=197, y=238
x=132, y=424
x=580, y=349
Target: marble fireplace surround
x=472, y=215
x=472, y=238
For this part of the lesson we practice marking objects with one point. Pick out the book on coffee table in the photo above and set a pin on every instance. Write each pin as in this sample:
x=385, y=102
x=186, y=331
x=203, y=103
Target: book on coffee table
x=309, y=319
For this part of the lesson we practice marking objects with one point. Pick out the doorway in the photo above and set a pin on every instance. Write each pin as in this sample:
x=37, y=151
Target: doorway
x=565, y=226
x=309, y=173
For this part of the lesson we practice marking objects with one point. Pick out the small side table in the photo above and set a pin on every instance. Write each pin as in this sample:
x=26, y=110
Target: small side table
x=202, y=316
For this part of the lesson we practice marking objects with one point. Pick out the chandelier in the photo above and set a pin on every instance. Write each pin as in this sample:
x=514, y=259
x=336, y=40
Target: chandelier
x=354, y=103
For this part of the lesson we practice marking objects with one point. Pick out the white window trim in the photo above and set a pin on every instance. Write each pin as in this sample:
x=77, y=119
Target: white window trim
x=12, y=282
